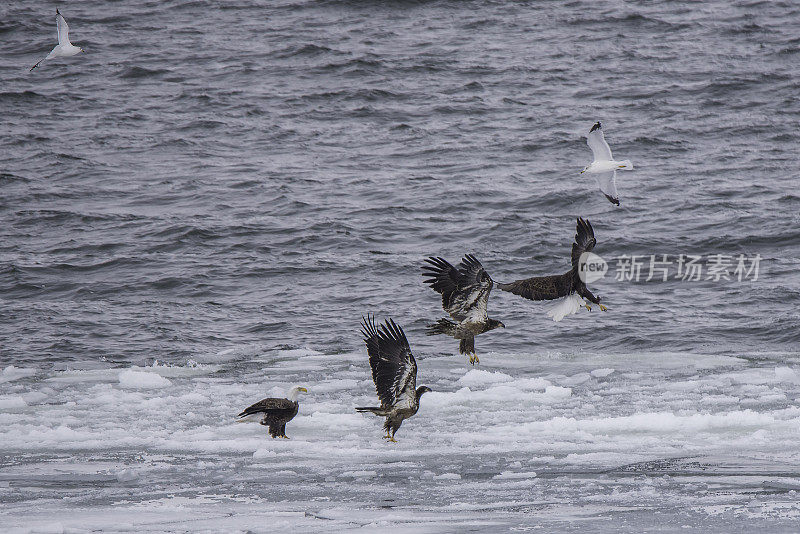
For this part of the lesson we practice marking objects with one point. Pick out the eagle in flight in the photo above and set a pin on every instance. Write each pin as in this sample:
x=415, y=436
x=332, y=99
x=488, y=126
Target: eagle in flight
x=465, y=295
x=568, y=286
x=394, y=372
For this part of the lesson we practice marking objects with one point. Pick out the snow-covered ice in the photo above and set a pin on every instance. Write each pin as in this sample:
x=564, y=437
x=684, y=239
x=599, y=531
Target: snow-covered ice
x=569, y=442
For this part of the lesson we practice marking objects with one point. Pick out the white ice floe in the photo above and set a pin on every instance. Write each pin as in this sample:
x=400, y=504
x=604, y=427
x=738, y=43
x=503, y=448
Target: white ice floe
x=11, y=373
x=142, y=379
x=11, y=402
x=787, y=374
x=480, y=377
x=628, y=431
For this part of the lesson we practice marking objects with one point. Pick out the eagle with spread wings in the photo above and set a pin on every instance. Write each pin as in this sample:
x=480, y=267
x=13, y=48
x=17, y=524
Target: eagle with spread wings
x=568, y=286
x=465, y=296
x=394, y=372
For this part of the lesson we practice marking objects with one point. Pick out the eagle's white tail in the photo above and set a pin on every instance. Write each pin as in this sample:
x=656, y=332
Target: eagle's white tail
x=626, y=164
x=566, y=306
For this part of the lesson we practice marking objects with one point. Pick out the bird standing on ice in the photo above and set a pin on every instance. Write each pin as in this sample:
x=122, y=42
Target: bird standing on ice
x=604, y=167
x=274, y=412
x=64, y=48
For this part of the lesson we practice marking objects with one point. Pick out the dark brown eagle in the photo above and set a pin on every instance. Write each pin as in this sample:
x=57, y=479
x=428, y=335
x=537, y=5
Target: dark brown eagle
x=394, y=372
x=274, y=412
x=465, y=296
x=568, y=285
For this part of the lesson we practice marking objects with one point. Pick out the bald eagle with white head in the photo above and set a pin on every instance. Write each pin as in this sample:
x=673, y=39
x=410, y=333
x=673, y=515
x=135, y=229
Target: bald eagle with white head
x=274, y=412
x=568, y=286
x=394, y=371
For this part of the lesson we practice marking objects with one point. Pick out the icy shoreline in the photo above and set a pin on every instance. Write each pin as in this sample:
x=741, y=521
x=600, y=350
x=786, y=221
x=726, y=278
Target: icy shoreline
x=534, y=441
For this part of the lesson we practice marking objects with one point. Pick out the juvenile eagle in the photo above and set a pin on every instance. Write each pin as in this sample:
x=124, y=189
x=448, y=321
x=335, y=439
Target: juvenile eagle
x=465, y=296
x=568, y=285
x=394, y=372
x=604, y=168
x=276, y=412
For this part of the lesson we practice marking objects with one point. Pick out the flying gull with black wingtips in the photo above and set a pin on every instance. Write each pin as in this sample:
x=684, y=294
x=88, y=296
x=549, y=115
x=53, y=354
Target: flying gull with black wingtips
x=394, y=372
x=465, y=296
x=569, y=287
x=64, y=48
x=604, y=167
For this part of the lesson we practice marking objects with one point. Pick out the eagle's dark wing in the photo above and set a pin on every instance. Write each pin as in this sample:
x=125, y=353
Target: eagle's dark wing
x=394, y=369
x=584, y=241
x=480, y=285
x=465, y=291
x=443, y=278
x=541, y=287
x=274, y=407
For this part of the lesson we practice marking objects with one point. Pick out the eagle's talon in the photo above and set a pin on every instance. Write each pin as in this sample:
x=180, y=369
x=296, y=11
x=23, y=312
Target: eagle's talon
x=603, y=307
x=588, y=307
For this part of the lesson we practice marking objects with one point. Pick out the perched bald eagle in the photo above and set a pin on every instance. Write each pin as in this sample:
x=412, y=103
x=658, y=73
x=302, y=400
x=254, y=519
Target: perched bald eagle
x=568, y=285
x=465, y=296
x=275, y=413
x=394, y=372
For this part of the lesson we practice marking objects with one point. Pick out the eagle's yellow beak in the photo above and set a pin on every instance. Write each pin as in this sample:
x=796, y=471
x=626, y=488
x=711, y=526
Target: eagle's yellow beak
x=304, y=390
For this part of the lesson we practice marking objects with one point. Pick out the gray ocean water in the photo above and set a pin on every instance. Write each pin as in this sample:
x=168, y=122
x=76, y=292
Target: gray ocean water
x=255, y=176
x=211, y=174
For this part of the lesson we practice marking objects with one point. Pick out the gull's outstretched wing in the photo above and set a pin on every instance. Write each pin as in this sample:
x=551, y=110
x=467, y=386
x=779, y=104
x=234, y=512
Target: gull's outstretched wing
x=38, y=62
x=394, y=369
x=608, y=185
x=63, y=29
x=597, y=142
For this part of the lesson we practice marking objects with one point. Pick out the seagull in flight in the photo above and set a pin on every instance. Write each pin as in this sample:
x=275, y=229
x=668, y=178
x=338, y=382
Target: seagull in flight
x=64, y=48
x=604, y=167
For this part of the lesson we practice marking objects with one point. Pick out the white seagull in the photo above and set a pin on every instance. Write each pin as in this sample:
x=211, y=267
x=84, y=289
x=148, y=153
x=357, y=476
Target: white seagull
x=64, y=48
x=604, y=167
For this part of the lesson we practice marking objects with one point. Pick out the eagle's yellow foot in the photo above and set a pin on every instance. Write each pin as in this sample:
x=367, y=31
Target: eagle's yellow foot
x=391, y=438
x=588, y=307
x=473, y=359
x=603, y=307
x=285, y=437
